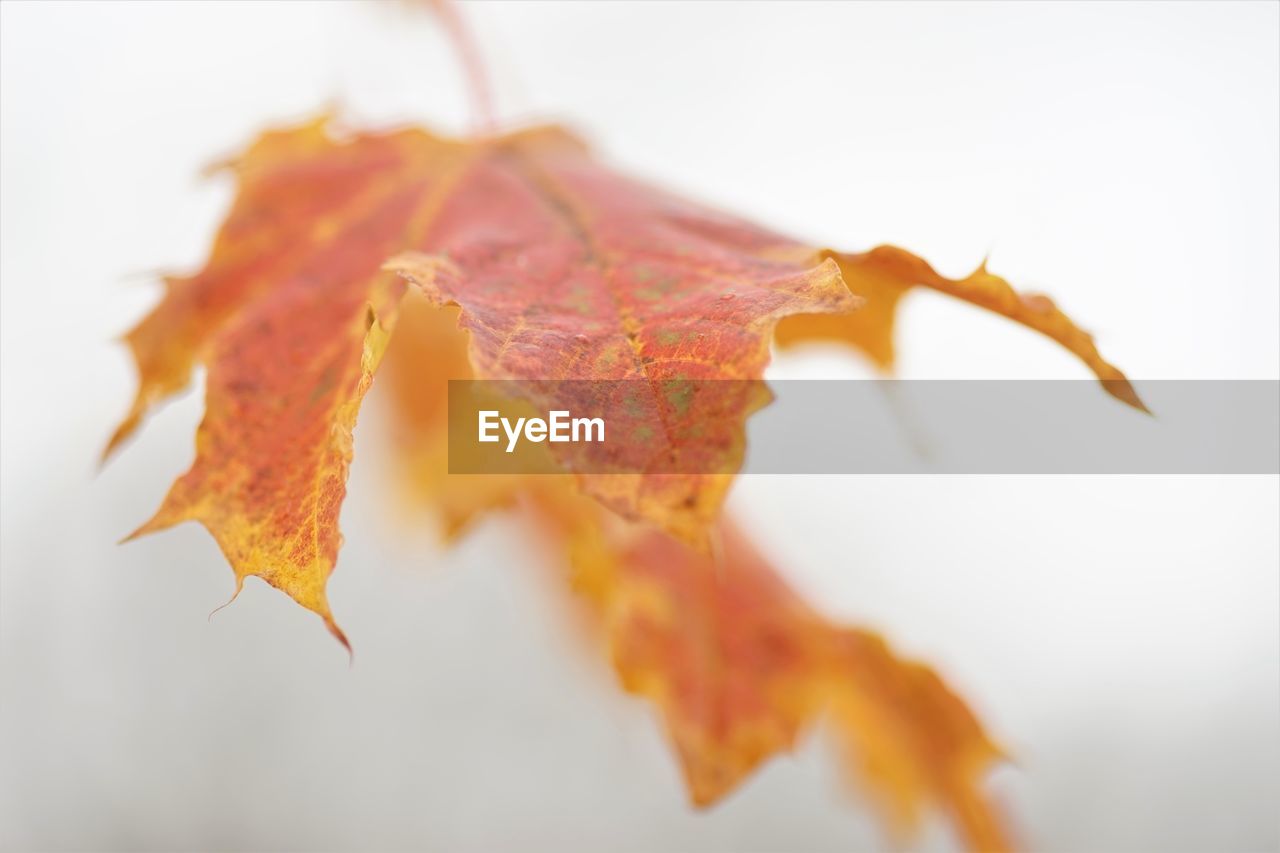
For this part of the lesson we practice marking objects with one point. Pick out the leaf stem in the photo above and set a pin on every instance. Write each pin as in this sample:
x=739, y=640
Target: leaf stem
x=473, y=67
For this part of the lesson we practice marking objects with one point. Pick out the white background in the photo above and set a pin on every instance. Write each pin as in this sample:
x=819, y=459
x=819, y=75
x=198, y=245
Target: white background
x=1119, y=634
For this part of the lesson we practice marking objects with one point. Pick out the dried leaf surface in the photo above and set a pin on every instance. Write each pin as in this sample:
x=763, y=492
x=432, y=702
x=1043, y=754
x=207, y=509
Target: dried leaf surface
x=528, y=259
x=739, y=667
x=562, y=269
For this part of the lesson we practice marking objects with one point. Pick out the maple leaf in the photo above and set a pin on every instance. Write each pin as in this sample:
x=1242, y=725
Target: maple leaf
x=519, y=256
x=561, y=268
x=739, y=667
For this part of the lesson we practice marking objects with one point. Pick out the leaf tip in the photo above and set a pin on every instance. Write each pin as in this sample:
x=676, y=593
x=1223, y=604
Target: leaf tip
x=1122, y=389
x=118, y=438
x=164, y=518
x=339, y=635
x=234, y=595
x=137, y=533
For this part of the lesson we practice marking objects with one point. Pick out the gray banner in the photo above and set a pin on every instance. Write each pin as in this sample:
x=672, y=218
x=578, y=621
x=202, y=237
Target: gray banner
x=864, y=427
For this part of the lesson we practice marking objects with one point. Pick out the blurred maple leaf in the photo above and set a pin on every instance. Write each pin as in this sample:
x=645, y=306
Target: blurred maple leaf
x=739, y=666
x=340, y=247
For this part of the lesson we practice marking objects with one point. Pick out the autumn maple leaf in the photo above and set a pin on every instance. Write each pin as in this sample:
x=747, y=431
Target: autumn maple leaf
x=518, y=256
